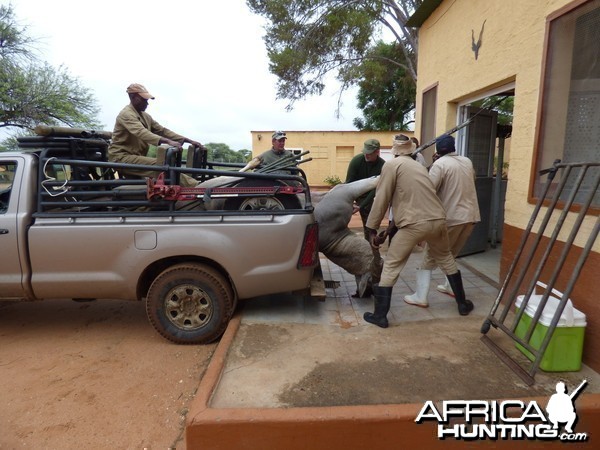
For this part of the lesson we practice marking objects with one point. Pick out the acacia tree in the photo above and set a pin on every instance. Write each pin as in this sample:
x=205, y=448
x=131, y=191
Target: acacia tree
x=308, y=39
x=33, y=92
x=386, y=93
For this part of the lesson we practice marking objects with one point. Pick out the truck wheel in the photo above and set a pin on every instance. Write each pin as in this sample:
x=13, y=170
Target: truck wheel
x=276, y=203
x=190, y=304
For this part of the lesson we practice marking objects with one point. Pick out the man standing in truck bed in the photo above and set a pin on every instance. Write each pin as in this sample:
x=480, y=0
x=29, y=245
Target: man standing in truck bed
x=135, y=130
x=276, y=154
x=277, y=151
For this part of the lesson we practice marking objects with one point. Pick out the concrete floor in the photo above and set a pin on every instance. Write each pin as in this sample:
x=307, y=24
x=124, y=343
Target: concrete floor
x=295, y=373
x=485, y=264
x=296, y=352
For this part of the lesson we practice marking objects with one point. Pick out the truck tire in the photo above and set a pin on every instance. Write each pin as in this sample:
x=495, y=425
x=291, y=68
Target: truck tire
x=261, y=203
x=190, y=304
x=275, y=203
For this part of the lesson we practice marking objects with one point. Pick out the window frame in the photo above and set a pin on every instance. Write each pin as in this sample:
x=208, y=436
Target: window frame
x=532, y=198
x=423, y=137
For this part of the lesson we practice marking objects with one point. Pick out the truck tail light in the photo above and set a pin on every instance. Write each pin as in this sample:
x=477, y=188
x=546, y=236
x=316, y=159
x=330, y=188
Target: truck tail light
x=309, y=255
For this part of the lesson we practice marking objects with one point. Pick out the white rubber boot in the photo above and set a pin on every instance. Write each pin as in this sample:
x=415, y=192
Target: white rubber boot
x=419, y=298
x=445, y=288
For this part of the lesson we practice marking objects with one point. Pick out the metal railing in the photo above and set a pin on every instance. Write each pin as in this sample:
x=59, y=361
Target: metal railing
x=74, y=176
x=530, y=250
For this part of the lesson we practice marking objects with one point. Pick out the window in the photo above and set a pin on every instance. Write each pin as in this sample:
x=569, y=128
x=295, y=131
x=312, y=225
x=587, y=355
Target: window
x=7, y=175
x=428, y=111
x=570, y=112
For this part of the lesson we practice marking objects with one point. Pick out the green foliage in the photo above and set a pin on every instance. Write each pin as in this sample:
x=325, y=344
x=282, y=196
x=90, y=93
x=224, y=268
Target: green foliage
x=33, y=92
x=332, y=180
x=41, y=94
x=9, y=144
x=386, y=91
x=505, y=166
x=247, y=154
x=501, y=104
x=15, y=44
x=219, y=152
x=307, y=40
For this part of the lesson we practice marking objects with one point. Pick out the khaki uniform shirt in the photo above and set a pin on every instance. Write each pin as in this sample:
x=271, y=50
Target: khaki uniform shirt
x=454, y=179
x=405, y=185
x=135, y=131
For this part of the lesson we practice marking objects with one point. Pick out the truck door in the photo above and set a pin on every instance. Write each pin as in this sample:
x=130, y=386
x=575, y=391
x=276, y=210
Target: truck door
x=10, y=266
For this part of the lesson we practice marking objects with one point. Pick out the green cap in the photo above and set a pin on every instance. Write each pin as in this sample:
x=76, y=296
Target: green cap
x=370, y=146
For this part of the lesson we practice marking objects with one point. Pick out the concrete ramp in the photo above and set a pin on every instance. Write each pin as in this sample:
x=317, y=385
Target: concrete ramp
x=291, y=373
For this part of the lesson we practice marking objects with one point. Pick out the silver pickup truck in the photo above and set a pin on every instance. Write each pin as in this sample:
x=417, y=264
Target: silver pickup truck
x=70, y=227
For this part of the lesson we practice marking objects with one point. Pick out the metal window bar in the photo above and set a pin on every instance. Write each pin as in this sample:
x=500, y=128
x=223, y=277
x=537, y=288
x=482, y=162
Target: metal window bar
x=508, y=300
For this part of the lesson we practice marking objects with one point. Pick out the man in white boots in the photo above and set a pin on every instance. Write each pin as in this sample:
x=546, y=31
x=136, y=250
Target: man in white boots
x=419, y=215
x=453, y=177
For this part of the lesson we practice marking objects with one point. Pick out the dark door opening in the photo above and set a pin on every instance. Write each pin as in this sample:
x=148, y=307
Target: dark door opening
x=483, y=141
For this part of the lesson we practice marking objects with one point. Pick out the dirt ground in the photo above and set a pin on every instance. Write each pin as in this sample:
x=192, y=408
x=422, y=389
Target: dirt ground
x=92, y=375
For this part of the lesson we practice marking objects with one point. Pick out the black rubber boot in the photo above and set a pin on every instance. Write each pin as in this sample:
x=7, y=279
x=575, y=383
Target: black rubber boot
x=464, y=306
x=383, y=298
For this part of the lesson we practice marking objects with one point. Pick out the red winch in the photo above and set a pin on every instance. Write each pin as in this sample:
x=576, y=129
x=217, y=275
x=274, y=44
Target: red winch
x=158, y=190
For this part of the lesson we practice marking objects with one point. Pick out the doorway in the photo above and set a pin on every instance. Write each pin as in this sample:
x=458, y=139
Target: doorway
x=486, y=141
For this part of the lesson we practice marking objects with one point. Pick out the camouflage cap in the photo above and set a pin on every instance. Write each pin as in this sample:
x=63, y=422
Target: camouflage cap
x=370, y=146
x=279, y=135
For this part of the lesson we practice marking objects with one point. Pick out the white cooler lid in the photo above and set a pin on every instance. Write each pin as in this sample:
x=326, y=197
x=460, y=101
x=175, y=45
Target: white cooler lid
x=570, y=316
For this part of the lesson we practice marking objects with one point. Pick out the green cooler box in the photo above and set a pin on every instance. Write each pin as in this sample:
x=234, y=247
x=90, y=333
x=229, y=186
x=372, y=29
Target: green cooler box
x=564, y=351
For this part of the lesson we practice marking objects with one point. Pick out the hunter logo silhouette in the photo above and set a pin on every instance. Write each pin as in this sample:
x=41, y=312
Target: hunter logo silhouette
x=561, y=406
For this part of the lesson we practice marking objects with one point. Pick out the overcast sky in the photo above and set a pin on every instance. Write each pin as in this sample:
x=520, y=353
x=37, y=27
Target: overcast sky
x=205, y=61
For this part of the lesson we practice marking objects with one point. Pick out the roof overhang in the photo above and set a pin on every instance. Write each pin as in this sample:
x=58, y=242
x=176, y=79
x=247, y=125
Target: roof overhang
x=422, y=13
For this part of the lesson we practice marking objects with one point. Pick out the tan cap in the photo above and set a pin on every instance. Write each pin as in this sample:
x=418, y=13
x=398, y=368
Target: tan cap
x=137, y=88
x=402, y=145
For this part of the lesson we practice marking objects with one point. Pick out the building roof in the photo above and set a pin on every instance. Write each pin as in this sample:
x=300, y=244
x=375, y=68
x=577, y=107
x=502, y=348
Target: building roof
x=423, y=12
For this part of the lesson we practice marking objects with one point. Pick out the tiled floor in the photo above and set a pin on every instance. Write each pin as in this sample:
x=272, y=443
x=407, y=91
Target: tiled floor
x=342, y=310
x=485, y=263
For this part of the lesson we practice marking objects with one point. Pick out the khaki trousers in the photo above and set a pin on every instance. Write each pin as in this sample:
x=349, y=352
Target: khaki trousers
x=457, y=238
x=434, y=232
x=184, y=179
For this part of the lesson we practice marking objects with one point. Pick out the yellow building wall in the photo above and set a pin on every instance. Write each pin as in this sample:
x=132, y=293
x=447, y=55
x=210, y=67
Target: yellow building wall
x=511, y=51
x=331, y=151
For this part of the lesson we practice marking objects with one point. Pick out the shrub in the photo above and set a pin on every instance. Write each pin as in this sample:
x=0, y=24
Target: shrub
x=332, y=180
